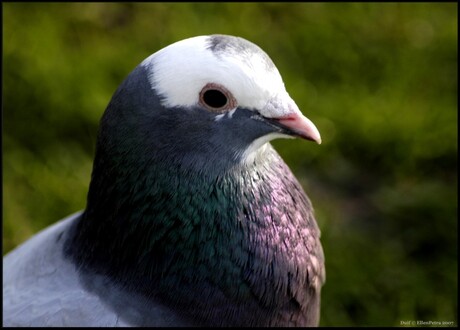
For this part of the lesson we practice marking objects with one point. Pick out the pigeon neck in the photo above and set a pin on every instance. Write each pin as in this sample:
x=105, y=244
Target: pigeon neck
x=206, y=244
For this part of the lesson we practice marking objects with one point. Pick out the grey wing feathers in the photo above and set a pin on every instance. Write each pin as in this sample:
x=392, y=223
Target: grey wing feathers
x=41, y=288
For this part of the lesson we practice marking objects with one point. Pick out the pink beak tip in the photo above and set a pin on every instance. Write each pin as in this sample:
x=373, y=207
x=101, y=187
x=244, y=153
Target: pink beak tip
x=303, y=126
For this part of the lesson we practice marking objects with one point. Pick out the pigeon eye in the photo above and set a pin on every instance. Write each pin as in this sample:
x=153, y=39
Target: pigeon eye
x=217, y=98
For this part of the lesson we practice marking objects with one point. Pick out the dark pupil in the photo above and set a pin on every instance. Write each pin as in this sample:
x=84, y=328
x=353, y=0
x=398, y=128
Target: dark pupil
x=214, y=98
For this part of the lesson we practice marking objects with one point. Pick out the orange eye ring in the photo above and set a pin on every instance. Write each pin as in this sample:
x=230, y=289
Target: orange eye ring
x=217, y=98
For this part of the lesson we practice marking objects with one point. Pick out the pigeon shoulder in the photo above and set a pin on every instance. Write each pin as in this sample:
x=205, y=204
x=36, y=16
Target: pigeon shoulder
x=42, y=288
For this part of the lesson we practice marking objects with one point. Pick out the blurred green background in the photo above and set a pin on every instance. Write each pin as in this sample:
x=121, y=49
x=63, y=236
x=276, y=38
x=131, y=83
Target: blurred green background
x=378, y=79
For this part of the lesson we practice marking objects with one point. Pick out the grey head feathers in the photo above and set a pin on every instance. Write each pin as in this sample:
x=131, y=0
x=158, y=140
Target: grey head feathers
x=221, y=44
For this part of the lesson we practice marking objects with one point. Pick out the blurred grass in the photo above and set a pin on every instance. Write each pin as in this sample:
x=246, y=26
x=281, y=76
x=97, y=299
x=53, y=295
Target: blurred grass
x=378, y=79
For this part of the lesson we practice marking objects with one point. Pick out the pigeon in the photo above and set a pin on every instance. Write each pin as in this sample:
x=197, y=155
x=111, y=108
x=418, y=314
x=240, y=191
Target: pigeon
x=192, y=218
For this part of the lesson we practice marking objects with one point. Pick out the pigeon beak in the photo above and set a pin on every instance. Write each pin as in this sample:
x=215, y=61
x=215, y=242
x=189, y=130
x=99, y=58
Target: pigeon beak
x=299, y=125
x=283, y=113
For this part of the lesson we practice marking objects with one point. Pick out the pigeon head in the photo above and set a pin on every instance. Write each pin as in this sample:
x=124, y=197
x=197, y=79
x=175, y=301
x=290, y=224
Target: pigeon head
x=188, y=204
x=209, y=99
